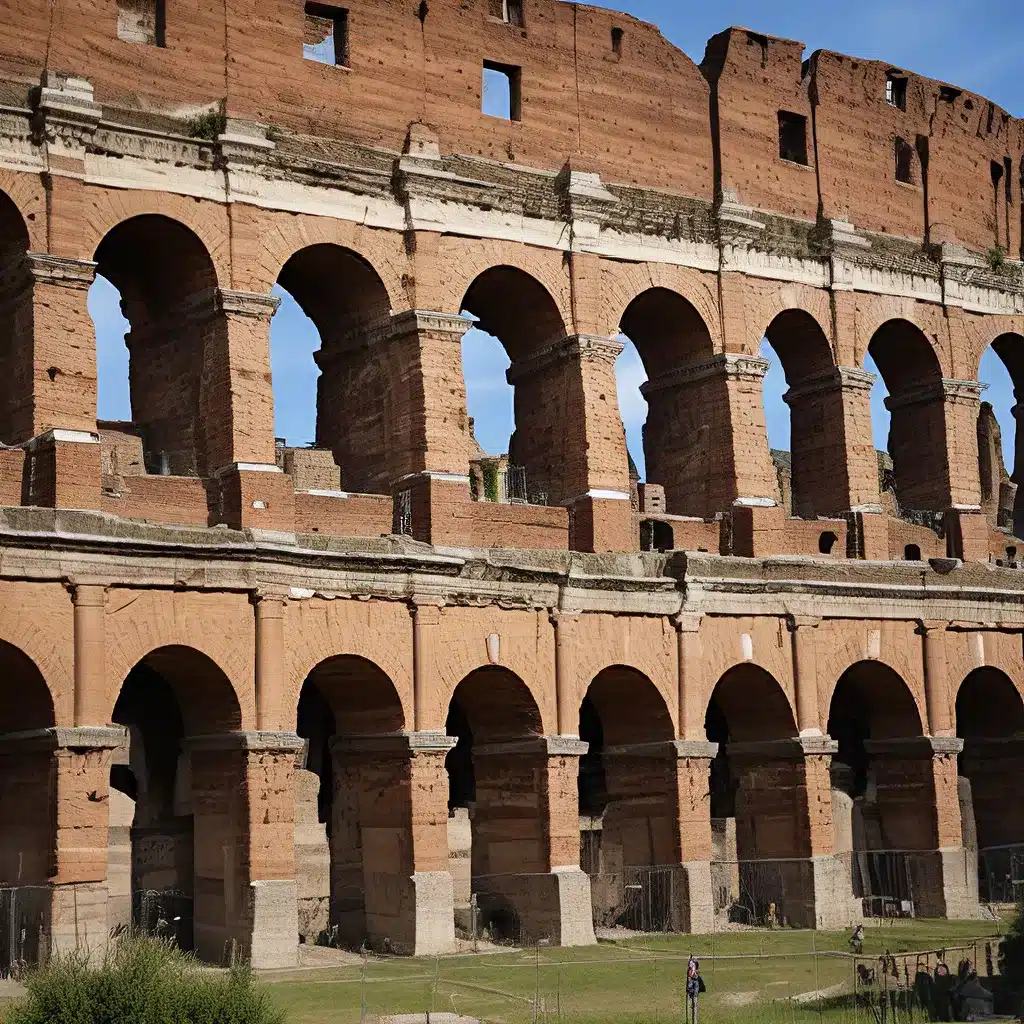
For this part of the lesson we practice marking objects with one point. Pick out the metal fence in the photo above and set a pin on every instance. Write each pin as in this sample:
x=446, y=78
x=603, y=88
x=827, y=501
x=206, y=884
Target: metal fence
x=165, y=914
x=1001, y=873
x=24, y=928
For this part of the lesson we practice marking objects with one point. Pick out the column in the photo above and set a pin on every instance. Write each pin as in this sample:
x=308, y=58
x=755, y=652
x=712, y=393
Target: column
x=835, y=468
x=235, y=428
x=570, y=440
x=243, y=799
x=920, y=811
x=526, y=838
x=803, y=638
x=785, y=834
x=54, y=786
x=426, y=617
x=565, y=691
x=706, y=439
x=690, y=670
x=90, y=659
x=389, y=842
x=270, y=659
x=936, y=691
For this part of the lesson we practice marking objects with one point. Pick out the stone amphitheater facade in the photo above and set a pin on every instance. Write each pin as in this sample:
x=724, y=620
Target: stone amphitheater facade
x=299, y=689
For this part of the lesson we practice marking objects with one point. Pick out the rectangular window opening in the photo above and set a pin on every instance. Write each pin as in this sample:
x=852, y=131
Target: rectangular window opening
x=1008, y=178
x=904, y=161
x=617, y=34
x=141, y=21
x=793, y=137
x=502, y=91
x=509, y=11
x=325, y=36
x=896, y=91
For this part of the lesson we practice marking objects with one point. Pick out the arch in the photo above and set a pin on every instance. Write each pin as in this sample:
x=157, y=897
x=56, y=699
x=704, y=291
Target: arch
x=1009, y=349
x=497, y=705
x=516, y=308
x=667, y=330
x=26, y=702
x=16, y=326
x=169, y=304
x=204, y=694
x=876, y=697
x=347, y=301
x=912, y=372
x=359, y=694
x=670, y=334
x=989, y=706
x=630, y=707
x=748, y=704
x=802, y=345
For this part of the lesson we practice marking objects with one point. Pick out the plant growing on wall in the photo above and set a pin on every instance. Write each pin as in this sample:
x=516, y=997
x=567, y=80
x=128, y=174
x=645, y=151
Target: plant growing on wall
x=491, y=482
x=208, y=125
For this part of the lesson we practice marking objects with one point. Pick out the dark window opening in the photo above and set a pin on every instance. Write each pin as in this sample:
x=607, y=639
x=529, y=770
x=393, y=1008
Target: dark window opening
x=896, y=91
x=991, y=117
x=826, y=542
x=502, y=96
x=793, y=137
x=617, y=35
x=141, y=21
x=904, y=161
x=325, y=38
x=656, y=535
x=912, y=553
x=1008, y=178
x=756, y=39
x=509, y=11
x=948, y=94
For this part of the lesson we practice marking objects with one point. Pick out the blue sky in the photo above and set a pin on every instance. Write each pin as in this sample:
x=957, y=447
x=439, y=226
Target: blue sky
x=975, y=46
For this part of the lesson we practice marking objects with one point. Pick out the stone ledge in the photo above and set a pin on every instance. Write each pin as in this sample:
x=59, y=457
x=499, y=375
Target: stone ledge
x=278, y=742
x=87, y=737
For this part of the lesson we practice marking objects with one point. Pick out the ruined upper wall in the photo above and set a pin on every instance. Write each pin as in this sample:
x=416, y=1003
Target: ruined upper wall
x=635, y=116
x=600, y=89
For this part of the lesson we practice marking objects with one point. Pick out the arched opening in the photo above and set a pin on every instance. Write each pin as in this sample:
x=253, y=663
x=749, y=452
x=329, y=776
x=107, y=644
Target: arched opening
x=811, y=473
x=827, y=542
x=333, y=293
x=759, y=817
x=170, y=823
x=28, y=806
x=348, y=792
x=990, y=721
x=169, y=304
x=498, y=801
x=680, y=435
x=916, y=444
x=16, y=327
x=537, y=468
x=882, y=788
x=911, y=553
x=629, y=804
x=999, y=442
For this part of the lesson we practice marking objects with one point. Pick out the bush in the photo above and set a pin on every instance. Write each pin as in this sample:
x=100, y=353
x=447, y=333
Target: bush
x=140, y=981
x=1011, y=951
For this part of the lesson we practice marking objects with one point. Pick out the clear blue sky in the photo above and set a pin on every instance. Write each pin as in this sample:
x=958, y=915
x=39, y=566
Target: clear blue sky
x=976, y=46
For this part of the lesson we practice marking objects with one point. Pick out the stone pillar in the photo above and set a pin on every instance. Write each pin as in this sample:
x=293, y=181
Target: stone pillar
x=426, y=617
x=803, y=638
x=235, y=431
x=916, y=780
x=243, y=801
x=706, y=439
x=90, y=659
x=569, y=437
x=390, y=883
x=936, y=689
x=526, y=838
x=54, y=786
x=834, y=463
x=785, y=833
x=690, y=671
x=565, y=693
x=270, y=659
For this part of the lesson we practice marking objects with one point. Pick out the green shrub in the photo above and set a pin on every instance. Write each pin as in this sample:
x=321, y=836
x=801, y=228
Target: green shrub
x=1011, y=951
x=140, y=981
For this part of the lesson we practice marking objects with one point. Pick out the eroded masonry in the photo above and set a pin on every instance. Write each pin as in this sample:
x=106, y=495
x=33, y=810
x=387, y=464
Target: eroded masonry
x=258, y=694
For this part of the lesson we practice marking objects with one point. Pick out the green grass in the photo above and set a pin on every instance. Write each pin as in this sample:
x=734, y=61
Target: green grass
x=751, y=976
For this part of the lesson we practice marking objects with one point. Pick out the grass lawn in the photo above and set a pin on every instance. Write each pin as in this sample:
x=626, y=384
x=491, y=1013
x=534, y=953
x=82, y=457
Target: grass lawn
x=751, y=976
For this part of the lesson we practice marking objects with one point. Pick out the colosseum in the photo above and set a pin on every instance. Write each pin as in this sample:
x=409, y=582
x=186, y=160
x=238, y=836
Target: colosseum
x=361, y=690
